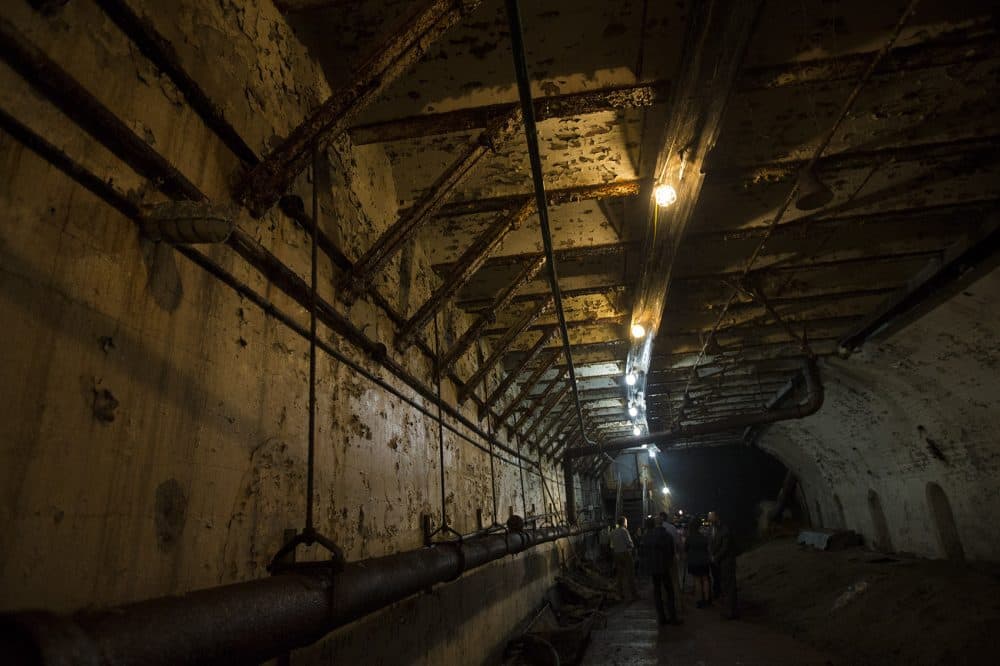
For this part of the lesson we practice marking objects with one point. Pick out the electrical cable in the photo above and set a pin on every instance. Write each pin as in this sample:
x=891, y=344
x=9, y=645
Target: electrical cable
x=534, y=155
x=311, y=450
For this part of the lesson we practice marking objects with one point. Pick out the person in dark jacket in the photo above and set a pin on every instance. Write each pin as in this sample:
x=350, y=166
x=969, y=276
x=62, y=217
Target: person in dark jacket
x=657, y=552
x=723, y=555
x=697, y=562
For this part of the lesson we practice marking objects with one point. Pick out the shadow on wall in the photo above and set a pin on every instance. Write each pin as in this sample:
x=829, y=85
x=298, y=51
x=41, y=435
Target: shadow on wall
x=882, y=541
x=944, y=523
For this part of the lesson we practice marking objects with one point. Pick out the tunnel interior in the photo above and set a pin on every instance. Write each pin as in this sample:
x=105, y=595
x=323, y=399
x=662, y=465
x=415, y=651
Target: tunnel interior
x=343, y=330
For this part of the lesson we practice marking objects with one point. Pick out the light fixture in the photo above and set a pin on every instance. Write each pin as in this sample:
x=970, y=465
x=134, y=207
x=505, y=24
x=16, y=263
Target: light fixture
x=664, y=195
x=666, y=491
x=638, y=330
x=636, y=430
x=680, y=512
x=630, y=379
x=633, y=411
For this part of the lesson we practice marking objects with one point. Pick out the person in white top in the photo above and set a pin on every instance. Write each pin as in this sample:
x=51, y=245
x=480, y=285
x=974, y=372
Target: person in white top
x=621, y=551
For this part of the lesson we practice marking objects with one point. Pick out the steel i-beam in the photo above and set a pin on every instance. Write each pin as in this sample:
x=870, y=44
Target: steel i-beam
x=530, y=383
x=466, y=266
x=499, y=304
x=270, y=179
x=501, y=347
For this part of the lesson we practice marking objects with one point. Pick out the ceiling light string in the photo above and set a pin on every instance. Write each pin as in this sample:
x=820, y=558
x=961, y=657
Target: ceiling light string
x=817, y=153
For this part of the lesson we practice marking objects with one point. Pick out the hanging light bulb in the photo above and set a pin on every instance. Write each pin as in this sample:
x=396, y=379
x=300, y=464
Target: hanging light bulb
x=638, y=330
x=666, y=491
x=636, y=430
x=630, y=379
x=633, y=411
x=664, y=195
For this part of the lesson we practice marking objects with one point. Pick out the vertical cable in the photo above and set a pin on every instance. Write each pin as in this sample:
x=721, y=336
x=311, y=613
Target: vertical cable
x=437, y=354
x=311, y=450
x=534, y=154
x=493, y=472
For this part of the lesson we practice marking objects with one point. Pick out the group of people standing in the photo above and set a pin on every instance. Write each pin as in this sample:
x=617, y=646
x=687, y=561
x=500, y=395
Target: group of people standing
x=707, y=549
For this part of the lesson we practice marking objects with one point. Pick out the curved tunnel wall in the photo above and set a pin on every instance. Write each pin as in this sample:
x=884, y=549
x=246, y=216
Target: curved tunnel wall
x=920, y=408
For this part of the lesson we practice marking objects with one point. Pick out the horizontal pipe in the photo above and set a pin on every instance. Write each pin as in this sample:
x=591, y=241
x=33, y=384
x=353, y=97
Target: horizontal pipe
x=813, y=401
x=255, y=620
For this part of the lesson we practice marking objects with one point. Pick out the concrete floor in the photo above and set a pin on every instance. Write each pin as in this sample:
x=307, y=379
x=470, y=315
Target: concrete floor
x=633, y=637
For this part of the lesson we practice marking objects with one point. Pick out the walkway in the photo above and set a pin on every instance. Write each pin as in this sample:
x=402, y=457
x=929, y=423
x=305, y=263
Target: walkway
x=633, y=637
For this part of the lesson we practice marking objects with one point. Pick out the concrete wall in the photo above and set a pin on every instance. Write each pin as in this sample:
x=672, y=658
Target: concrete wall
x=152, y=438
x=920, y=408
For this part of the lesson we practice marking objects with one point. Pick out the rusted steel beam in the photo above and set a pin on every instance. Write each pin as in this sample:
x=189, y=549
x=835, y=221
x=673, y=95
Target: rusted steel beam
x=500, y=348
x=811, y=265
x=464, y=269
x=554, y=432
x=772, y=172
x=499, y=304
x=573, y=323
x=410, y=221
x=558, y=106
x=512, y=376
x=557, y=426
x=542, y=397
x=554, y=197
x=562, y=255
x=546, y=409
x=46, y=76
x=162, y=54
x=556, y=444
x=953, y=49
x=809, y=225
x=475, y=305
x=270, y=179
x=529, y=384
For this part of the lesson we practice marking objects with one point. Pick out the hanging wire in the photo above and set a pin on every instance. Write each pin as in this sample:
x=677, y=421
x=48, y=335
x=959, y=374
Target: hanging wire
x=493, y=472
x=311, y=449
x=440, y=420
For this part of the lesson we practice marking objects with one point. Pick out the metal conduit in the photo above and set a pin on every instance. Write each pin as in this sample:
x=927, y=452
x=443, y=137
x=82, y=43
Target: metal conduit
x=256, y=620
x=810, y=405
x=531, y=135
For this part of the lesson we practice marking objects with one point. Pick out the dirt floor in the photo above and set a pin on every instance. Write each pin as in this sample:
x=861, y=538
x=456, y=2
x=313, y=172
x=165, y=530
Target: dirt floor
x=862, y=607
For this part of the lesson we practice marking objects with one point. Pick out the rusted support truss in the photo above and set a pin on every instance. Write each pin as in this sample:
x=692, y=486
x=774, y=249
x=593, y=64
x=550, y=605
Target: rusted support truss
x=558, y=106
x=379, y=254
x=498, y=305
x=546, y=408
x=529, y=385
x=512, y=376
x=540, y=398
x=609, y=290
x=557, y=425
x=270, y=179
x=554, y=197
x=464, y=269
x=562, y=255
x=500, y=347
x=953, y=49
x=772, y=172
